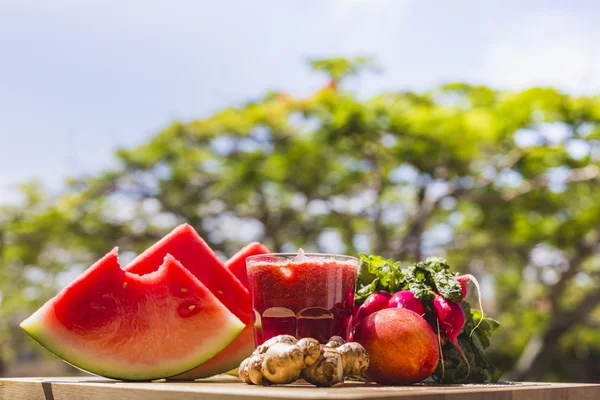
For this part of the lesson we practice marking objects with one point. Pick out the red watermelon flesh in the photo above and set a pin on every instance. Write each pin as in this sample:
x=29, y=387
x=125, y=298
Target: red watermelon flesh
x=237, y=263
x=191, y=250
x=122, y=325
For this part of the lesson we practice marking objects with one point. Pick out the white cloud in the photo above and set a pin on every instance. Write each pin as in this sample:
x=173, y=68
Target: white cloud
x=543, y=49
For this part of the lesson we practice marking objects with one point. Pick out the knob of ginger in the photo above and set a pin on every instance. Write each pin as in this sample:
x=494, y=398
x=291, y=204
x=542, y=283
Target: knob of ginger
x=328, y=370
x=311, y=349
x=283, y=363
x=354, y=358
x=284, y=359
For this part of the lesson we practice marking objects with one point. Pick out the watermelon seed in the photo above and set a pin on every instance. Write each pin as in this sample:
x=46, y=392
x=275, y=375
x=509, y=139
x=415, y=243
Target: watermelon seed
x=183, y=290
x=124, y=285
x=191, y=308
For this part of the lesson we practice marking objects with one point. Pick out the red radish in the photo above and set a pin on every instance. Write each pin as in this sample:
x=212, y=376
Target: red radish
x=451, y=318
x=463, y=279
x=406, y=299
x=375, y=302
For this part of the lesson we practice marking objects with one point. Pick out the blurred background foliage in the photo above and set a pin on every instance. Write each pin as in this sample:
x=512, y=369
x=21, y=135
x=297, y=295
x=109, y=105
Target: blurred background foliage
x=504, y=184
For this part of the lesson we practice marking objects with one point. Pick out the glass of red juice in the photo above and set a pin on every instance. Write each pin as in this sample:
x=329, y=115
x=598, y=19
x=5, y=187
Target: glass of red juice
x=303, y=295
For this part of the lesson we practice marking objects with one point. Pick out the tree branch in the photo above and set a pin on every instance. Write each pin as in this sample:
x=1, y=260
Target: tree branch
x=271, y=231
x=584, y=251
x=410, y=245
x=587, y=173
x=381, y=233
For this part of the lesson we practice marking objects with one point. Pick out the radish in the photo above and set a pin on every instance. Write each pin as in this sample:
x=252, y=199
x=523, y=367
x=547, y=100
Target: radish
x=451, y=318
x=406, y=299
x=463, y=279
x=375, y=302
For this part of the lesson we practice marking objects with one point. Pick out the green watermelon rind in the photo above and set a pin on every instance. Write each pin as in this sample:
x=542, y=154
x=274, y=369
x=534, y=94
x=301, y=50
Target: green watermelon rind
x=36, y=328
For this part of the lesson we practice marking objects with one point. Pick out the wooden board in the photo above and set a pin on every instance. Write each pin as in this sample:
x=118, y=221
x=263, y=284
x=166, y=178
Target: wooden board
x=226, y=387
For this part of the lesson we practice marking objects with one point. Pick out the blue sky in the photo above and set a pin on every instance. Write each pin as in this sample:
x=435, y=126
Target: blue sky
x=81, y=78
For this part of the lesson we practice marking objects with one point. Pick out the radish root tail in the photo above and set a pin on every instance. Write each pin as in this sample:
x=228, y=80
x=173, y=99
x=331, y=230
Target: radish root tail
x=476, y=283
x=440, y=346
x=462, y=354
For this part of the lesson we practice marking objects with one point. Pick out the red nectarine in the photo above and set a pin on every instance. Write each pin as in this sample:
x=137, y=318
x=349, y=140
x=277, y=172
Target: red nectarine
x=402, y=347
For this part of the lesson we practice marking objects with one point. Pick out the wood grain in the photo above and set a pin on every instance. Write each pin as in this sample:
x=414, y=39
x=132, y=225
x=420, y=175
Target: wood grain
x=226, y=387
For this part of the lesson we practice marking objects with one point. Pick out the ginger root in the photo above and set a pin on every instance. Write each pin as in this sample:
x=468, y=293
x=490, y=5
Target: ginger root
x=311, y=349
x=328, y=370
x=283, y=363
x=354, y=358
x=243, y=373
x=277, y=339
x=335, y=342
x=284, y=359
x=255, y=370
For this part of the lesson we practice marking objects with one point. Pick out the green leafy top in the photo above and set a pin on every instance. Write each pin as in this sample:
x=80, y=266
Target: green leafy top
x=424, y=279
x=448, y=287
x=376, y=273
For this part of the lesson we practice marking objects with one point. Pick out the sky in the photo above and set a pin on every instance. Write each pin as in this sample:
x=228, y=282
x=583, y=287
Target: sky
x=79, y=79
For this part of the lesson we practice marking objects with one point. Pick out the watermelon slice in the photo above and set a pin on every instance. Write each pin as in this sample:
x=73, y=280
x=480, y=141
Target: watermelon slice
x=237, y=263
x=191, y=250
x=126, y=326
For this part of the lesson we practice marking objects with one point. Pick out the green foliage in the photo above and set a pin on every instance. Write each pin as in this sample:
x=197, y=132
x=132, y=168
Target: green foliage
x=502, y=184
x=419, y=280
x=424, y=279
x=376, y=273
x=339, y=68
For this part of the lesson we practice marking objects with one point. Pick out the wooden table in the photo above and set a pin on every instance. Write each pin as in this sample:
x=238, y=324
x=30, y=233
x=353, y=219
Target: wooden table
x=227, y=387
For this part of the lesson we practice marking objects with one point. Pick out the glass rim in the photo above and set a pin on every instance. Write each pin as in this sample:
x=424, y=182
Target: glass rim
x=340, y=257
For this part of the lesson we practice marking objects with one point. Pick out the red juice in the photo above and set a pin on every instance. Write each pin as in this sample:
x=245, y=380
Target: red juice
x=302, y=296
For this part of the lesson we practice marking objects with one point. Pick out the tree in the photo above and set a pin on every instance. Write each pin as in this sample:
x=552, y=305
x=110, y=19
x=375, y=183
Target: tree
x=504, y=184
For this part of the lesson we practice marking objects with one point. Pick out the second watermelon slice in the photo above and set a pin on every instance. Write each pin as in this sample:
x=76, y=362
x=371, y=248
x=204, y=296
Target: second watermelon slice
x=237, y=263
x=193, y=253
